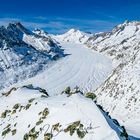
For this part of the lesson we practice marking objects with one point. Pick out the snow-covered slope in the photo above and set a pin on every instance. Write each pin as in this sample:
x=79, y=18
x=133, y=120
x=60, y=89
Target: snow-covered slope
x=74, y=36
x=120, y=94
x=21, y=54
x=28, y=114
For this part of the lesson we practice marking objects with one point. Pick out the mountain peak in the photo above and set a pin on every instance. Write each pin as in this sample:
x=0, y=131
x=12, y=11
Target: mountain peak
x=22, y=28
x=125, y=24
x=129, y=23
x=74, y=35
x=18, y=26
x=40, y=32
x=72, y=30
x=21, y=51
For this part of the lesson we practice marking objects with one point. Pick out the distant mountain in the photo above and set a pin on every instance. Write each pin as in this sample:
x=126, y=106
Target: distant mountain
x=23, y=53
x=73, y=35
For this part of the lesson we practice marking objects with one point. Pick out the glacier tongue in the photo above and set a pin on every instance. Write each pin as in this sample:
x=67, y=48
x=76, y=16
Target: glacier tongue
x=81, y=67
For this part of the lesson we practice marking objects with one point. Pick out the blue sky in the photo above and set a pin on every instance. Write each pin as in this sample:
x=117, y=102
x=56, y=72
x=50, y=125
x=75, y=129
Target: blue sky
x=58, y=16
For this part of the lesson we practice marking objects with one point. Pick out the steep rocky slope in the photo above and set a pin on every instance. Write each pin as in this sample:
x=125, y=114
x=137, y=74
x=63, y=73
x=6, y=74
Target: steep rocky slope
x=120, y=94
x=23, y=53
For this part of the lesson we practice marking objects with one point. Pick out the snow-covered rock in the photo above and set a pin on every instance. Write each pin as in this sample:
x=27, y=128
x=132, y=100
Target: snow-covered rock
x=120, y=94
x=28, y=114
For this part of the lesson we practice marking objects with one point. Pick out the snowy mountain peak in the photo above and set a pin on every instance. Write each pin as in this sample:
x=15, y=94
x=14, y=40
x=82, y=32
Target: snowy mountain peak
x=76, y=31
x=18, y=27
x=23, y=54
x=126, y=24
x=22, y=28
x=73, y=35
x=73, y=31
x=40, y=32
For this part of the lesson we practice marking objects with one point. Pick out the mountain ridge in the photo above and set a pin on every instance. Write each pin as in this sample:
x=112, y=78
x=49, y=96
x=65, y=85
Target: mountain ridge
x=17, y=50
x=120, y=93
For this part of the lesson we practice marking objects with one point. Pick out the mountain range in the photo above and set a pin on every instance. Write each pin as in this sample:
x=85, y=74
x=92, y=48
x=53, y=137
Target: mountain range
x=71, y=86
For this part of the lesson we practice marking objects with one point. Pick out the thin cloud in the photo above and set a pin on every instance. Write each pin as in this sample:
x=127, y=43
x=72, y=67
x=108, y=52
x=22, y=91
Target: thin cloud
x=6, y=21
x=40, y=18
x=61, y=25
x=86, y=21
x=89, y=25
x=102, y=14
x=49, y=24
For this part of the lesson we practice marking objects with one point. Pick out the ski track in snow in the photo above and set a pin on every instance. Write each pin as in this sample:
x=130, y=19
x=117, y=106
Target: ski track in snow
x=81, y=67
